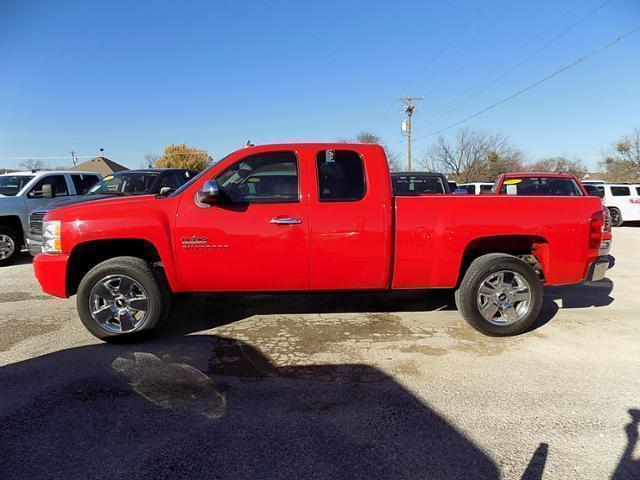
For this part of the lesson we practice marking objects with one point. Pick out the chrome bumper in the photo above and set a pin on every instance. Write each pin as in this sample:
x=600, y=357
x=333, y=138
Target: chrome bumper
x=33, y=244
x=598, y=269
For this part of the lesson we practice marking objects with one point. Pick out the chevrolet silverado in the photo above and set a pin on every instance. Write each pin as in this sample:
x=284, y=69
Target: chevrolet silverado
x=316, y=217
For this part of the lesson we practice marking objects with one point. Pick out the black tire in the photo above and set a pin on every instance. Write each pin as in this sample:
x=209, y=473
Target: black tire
x=155, y=288
x=616, y=217
x=14, y=237
x=482, y=268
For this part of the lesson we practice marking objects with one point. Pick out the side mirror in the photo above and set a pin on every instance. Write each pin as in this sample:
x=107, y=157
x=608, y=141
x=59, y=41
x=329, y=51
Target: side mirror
x=209, y=193
x=47, y=191
x=164, y=191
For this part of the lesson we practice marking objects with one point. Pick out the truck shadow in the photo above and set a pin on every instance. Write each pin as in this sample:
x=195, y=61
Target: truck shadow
x=211, y=406
x=203, y=311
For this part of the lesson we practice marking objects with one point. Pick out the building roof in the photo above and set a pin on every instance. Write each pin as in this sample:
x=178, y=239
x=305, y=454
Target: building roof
x=102, y=165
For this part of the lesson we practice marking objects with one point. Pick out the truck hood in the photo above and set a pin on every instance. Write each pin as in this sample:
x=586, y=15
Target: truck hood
x=100, y=208
x=65, y=202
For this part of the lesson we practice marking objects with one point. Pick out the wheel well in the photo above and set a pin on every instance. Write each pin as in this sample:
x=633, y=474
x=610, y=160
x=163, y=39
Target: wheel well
x=87, y=255
x=13, y=222
x=533, y=249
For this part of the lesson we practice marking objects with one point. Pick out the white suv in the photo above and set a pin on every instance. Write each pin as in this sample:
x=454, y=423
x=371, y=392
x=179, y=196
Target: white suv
x=22, y=192
x=623, y=202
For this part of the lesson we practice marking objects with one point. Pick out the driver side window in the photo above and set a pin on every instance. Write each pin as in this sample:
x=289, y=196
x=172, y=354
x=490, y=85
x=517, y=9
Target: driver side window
x=270, y=177
x=58, y=187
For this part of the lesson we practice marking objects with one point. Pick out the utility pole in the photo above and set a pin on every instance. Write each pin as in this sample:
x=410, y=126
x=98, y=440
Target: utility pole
x=74, y=159
x=409, y=107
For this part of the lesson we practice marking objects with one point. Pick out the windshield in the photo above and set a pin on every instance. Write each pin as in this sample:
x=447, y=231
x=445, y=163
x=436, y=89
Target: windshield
x=546, y=186
x=203, y=172
x=10, y=185
x=133, y=183
x=407, y=185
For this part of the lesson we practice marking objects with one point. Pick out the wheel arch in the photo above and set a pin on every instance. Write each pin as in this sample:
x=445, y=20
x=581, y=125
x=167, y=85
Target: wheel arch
x=533, y=249
x=87, y=255
x=13, y=222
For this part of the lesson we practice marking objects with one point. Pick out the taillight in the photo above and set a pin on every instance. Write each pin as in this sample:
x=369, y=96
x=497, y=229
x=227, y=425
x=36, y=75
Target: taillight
x=607, y=221
x=597, y=227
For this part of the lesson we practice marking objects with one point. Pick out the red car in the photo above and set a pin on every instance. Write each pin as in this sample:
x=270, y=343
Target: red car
x=540, y=184
x=316, y=217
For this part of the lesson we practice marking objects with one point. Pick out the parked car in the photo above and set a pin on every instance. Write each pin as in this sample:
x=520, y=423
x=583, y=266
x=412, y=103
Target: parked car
x=623, y=202
x=419, y=183
x=21, y=192
x=594, y=190
x=476, y=188
x=329, y=223
x=128, y=182
x=540, y=184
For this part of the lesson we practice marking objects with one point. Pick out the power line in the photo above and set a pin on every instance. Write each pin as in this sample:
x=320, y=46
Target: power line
x=533, y=85
x=525, y=60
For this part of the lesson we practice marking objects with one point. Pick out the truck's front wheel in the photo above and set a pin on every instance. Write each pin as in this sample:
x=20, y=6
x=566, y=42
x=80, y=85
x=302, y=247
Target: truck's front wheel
x=500, y=295
x=9, y=246
x=121, y=298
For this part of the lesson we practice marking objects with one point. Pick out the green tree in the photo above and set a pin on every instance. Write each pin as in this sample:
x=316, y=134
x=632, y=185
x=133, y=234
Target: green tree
x=622, y=163
x=183, y=156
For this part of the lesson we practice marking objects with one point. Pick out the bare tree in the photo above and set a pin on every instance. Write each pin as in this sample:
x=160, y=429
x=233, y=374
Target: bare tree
x=32, y=164
x=560, y=164
x=368, y=137
x=473, y=156
x=150, y=160
x=622, y=163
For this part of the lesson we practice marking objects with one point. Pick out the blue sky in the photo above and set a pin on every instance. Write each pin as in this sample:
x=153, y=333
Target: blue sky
x=132, y=77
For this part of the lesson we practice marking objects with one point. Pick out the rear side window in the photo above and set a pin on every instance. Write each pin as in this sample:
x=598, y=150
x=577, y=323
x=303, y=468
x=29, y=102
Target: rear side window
x=58, y=187
x=270, y=177
x=620, y=191
x=340, y=176
x=407, y=185
x=637, y=190
x=486, y=189
x=541, y=186
x=83, y=183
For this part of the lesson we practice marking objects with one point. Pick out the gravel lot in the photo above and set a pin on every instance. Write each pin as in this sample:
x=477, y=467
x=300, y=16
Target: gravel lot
x=326, y=386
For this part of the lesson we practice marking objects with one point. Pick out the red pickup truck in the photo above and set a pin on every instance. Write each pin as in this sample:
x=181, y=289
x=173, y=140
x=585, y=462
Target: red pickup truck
x=316, y=217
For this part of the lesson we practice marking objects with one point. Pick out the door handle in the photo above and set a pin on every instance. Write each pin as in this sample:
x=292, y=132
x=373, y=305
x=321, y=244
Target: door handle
x=285, y=221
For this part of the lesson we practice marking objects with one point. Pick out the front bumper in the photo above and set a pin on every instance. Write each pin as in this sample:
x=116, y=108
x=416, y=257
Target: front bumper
x=598, y=269
x=34, y=243
x=51, y=272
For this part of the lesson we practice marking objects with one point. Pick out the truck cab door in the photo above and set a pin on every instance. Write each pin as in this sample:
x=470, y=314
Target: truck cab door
x=45, y=190
x=350, y=218
x=256, y=238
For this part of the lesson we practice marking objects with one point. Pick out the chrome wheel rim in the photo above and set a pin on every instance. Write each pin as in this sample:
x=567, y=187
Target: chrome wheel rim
x=7, y=246
x=504, y=297
x=118, y=304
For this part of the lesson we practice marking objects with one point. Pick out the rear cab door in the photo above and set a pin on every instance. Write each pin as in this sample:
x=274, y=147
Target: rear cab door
x=350, y=215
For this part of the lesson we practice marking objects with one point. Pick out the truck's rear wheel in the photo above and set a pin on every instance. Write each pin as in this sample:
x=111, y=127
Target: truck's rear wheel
x=500, y=295
x=121, y=298
x=9, y=246
x=616, y=217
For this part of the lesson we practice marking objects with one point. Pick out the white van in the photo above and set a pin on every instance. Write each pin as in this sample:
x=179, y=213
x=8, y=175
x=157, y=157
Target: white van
x=623, y=202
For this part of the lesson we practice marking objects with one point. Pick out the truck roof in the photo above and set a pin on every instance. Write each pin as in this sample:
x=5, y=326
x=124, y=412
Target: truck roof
x=46, y=172
x=539, y=174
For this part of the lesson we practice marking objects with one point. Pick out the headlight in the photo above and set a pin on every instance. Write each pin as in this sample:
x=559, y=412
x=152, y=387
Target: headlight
x=51, y=237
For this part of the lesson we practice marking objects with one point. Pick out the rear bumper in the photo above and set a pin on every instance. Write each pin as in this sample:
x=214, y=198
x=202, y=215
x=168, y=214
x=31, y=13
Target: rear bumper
x=598, y=269
x=51, y=272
